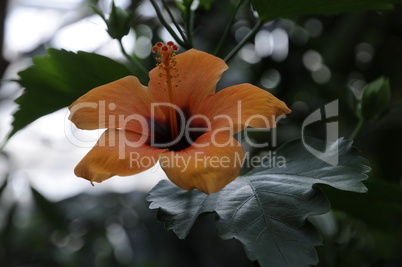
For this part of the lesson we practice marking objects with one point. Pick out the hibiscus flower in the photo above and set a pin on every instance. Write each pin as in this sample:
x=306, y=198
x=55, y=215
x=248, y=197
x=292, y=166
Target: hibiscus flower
x=177, y=120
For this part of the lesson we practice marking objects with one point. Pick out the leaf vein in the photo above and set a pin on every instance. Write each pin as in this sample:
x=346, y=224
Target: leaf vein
x=267, y=223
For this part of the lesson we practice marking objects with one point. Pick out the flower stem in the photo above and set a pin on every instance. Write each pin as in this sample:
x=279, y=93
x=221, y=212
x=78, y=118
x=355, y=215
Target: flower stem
x=228, y=27
x=133, y=62
x=357, y=129
x=165, y=5
x=253, y=31
x=167, y=26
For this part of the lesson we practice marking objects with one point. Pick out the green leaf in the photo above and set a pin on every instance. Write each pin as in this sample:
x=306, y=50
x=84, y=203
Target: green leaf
x=267, y=209
x=273, y=9
x=180, y=216
x=57, y=79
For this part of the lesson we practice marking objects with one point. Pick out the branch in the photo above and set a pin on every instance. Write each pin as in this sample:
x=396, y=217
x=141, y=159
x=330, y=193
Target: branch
x=133, y=62
x=228, y=27
x=165, y=5
x=244, y=41
x=166, y=25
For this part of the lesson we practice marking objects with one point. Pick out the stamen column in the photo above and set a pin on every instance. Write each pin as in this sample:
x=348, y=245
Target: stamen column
x=167, y=63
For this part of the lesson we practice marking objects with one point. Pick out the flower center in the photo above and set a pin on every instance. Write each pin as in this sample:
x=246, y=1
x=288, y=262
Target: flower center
x=167, y=63
x=188, y=132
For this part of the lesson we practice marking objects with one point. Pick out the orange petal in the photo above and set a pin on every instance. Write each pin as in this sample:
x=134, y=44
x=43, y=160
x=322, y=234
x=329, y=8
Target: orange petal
x=124, y=103
x=242, y=105
x=198, y=73
x=209, y=164
x=118, y=152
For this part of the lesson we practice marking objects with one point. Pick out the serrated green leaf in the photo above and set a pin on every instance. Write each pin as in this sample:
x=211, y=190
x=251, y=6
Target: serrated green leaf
x=267, y=209
x=273, y=9
x=57, y=79
x=181, y=217
x=301, y=163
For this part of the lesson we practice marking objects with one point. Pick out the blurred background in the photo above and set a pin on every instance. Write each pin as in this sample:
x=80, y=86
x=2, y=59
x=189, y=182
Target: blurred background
x=48, y=217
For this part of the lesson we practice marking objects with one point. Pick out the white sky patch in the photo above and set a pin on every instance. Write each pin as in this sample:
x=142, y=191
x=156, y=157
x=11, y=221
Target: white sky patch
x=26, y=28
x=41, y=153
x=59, y=4
x=45, y=157
x=85, y=35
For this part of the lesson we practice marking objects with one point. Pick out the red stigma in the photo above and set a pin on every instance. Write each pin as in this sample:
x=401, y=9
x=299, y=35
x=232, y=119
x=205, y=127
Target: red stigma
x=166, y=52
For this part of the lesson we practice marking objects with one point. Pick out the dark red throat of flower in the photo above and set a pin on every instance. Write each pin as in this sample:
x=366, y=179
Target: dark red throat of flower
x=187, y=133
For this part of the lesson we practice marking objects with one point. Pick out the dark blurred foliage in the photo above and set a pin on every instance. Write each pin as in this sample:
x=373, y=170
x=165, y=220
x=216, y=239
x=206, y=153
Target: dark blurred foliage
x=106, y=230
x=120, y=230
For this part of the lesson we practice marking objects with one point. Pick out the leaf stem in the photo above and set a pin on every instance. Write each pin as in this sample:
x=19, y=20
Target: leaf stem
x=244, y=41
x=167, y=26
x=357, y=129
x=228, y=27
x=165, y=5
x=133, y=62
